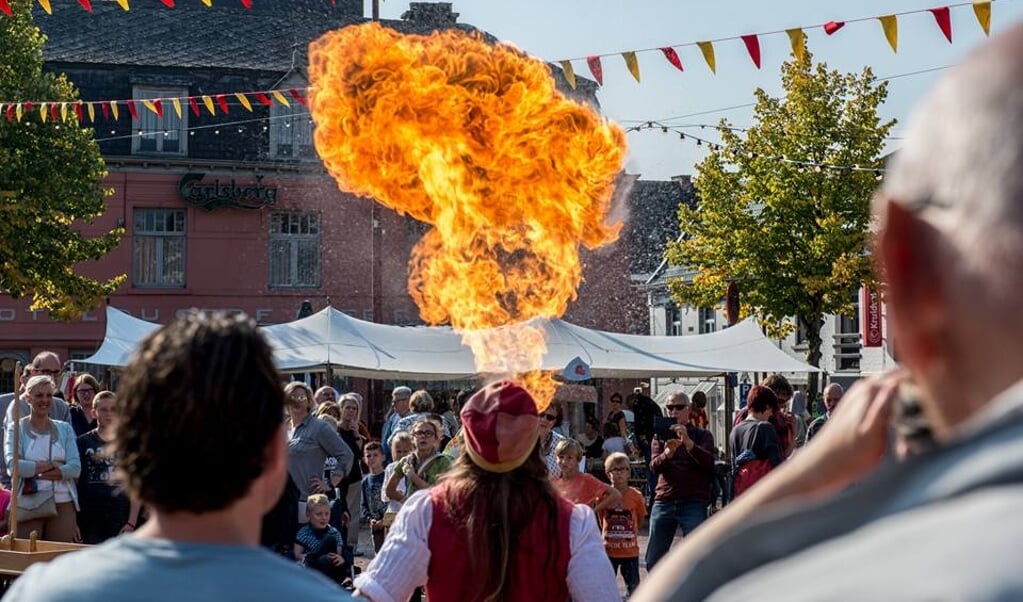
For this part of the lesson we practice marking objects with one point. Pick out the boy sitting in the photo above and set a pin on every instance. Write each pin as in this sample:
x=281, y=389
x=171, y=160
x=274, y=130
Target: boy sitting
x=621, y=521
x=318, y=545
x=580, y=487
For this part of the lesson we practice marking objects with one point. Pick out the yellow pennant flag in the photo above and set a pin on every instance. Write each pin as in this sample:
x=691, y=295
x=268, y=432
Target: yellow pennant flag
x=245, y=101
x=566, y=67
x=708, y=55
x=280, y=98
x=206, y=100
x=92, y=112
x=124, y=4
x=113, y=109
x=177, y=106
x=632, y=63
x=982, y=8
x=798, y=41
x=42, y=111
x=63, y=111
x=46, y=6
x=890, y=25
x=18, y=111
x=208, y=2
x=149, y=105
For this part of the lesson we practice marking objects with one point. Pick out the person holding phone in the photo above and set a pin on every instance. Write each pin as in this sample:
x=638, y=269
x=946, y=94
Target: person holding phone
x=685, y=472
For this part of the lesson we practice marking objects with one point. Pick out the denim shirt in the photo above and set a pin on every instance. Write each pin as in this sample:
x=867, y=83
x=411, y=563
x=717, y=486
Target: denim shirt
x=312, y=441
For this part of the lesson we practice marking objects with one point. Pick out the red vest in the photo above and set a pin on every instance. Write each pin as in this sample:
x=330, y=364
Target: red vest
x=537, y=576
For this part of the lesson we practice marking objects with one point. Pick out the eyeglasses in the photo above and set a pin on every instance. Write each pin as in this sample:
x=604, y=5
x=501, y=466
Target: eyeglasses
x=672, y=408
x=88, y=390
x=426, y=434
x=549, y=417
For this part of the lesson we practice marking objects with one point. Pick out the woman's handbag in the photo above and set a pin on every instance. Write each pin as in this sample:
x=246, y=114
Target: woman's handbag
x=38, y=504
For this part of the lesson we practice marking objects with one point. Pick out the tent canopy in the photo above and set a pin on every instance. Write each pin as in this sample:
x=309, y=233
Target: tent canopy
x=331, y=338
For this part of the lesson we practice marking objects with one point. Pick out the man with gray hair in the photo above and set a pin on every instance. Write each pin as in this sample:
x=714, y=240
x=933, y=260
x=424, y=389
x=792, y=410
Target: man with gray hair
x=832, y=395
x=950, y=238
x=399, y=409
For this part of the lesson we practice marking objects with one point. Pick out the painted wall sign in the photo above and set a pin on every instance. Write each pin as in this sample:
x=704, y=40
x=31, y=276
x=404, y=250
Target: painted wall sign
x=211, y=195
x=873, y=334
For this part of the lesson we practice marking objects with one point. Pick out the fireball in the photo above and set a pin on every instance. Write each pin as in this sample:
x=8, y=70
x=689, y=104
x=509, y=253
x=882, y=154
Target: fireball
x=475, y=140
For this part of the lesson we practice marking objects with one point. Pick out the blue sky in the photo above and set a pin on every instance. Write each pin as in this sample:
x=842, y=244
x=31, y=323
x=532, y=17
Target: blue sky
x=567, y=29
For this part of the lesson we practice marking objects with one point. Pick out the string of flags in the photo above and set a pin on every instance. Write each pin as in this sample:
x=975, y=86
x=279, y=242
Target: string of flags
x=715, y=146
x=797, y=39
x=5, y=6
x=111, y=109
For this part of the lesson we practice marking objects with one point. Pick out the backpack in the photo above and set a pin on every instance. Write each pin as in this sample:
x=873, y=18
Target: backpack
x=748, y=467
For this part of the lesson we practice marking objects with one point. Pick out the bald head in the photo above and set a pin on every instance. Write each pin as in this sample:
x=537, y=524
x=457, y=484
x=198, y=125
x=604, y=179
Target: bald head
x=832, y=394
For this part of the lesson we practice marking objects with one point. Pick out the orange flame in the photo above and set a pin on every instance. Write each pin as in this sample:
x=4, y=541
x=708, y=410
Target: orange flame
x=475, y=140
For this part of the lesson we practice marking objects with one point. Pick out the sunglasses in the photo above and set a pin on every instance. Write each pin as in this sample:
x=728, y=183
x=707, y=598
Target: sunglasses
x=550, y=417
x=676, y=407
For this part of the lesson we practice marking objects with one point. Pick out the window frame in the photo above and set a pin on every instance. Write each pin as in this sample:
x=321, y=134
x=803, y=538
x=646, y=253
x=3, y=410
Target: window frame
x=293, y=121
x=160, y=236
x=294, y=242
x=164, y=93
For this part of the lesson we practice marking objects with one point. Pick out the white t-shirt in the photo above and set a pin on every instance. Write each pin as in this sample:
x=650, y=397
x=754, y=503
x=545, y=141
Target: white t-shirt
x=39, y=451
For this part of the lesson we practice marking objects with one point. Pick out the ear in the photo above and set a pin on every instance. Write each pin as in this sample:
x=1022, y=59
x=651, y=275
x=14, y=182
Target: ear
x=909, y=251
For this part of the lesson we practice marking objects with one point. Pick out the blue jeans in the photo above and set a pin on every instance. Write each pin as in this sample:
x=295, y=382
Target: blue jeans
x=665, y=519
x=630, y=572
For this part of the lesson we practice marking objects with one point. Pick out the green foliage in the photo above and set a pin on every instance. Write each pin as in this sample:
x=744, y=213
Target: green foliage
x=51, y=176
x=795, y=238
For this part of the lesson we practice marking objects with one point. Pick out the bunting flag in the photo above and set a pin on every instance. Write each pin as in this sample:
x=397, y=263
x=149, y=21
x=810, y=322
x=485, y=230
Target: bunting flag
x=18, y=112
x=298, y=97
x=78, y=112
x=566, y=68
x=113, y=109
x=149, y=104
x=222, y=103
x=86, y=4
x=280, y=98
x=46, y=6
x=944, y=20
x=753, y=48
x=244, y=100
x=797, y=39
x=176, y=103
x=123, y=4
x=53, y=111
x=890, y=25
x=708, y=55
x=208, y=2
x=596, y=69
x=248, y=3
x=672, y=56
x=981, y=8
x=132, y=109
x=832, y=26
x=6, y=8
x=267, y=102
x=194, y=105
x=106, y=110
x=42, y=112
x=631, y=63
x=168, y=3
x=63, y=111
x=208, y=102
x=92, y=112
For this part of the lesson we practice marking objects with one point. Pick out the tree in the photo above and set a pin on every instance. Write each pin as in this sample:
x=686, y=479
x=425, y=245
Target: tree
x=784, y=210
x=51, y=176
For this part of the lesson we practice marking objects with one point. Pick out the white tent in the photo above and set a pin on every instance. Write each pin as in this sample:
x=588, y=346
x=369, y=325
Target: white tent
x=331, y=338
x=124, y=333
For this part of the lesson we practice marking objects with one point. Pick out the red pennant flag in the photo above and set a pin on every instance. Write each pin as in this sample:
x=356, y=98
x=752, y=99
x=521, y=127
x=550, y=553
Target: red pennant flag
x=596, y=69
x=10, y=110
x=106, y=111
x=248, y=3
x=298, y=97
x=53, y=111
x=194, y=104
x=832, y=26
x=263, y=99
x=753, y=47
x=6, y=8
x=222, y=102
x=28, y=106
x=133, y=110
x=941, y=15
x=672, y=56
x=158, y=105
x=86, y=4
x=78, y=112
x=168, y=3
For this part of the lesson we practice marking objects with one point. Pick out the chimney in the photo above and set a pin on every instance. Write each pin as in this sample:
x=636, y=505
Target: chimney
x=431, y=14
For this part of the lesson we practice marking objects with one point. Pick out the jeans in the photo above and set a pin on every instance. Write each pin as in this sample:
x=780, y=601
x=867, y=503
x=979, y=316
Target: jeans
x=630, y=572
x=665, y=518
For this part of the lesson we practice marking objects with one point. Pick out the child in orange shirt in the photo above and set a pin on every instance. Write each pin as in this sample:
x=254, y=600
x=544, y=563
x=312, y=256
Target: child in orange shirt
x=621, y=521
x=580, y=487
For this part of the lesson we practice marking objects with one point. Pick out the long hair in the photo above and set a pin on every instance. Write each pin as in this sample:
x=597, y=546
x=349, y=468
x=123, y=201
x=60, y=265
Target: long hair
x=495, y=509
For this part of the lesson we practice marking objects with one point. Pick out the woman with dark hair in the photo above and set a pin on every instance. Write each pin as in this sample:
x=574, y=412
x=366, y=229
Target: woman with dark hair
x=616, y=416
x=82, y=394
x=494, y=529
x=755, y=444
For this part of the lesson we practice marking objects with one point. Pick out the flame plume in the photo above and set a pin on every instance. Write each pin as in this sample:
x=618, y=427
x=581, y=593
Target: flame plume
x=474, y=140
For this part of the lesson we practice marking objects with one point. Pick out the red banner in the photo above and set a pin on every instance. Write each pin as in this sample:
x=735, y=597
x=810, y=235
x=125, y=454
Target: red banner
x=873, y=334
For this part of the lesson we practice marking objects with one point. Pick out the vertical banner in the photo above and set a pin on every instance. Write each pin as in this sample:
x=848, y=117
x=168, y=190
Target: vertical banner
x=873, y=335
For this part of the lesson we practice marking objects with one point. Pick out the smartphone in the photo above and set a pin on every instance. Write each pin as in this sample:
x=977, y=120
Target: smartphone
x=663, y=428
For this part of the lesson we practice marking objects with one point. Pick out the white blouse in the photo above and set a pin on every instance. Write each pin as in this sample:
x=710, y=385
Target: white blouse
x=402, y=563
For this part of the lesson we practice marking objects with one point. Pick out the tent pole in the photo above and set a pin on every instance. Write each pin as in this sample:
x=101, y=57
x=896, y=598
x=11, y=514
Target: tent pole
x=729, y=411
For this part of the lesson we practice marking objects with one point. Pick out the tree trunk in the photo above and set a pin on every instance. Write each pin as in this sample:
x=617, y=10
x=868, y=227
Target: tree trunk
x=813, y=324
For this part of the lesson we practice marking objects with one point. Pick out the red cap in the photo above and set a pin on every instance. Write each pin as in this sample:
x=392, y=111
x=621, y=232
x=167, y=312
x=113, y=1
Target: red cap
x=501, y=426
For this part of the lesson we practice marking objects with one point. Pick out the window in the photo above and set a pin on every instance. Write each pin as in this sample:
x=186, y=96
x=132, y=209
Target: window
x=158, y=248
x=156, y=134
x=291, y=132
x=294, y=250
x=708, y=320
x=847, y=338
